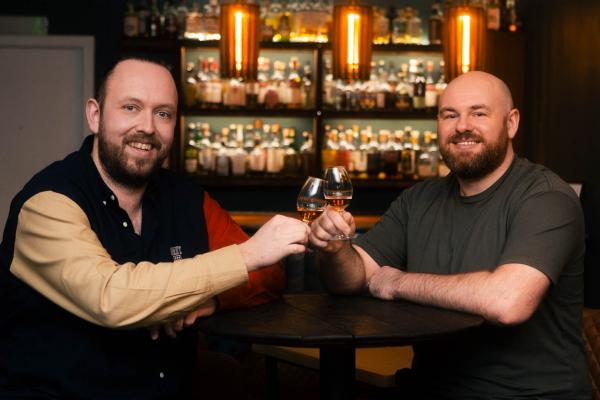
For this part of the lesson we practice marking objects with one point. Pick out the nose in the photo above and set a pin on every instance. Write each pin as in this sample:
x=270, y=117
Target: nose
x=145, y=123
x=463, y=124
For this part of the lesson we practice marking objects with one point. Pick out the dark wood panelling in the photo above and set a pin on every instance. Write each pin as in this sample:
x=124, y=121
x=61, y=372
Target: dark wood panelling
x=563, y=95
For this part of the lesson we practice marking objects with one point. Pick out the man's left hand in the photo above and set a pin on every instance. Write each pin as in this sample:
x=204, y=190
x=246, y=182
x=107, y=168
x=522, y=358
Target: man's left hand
x=383, y=283
x=171, y=328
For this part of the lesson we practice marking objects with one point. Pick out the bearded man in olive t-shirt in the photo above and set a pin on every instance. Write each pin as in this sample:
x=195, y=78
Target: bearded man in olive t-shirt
x=500, y=237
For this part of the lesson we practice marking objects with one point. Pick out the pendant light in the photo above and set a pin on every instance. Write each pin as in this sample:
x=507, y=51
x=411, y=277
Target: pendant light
x=240, y=27
x=351, y=42
x=464, y=38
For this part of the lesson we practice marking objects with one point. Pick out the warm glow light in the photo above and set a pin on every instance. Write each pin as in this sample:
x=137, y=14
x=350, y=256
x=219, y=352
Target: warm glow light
x=466, y=43
x=238, y=40
x=353, y=39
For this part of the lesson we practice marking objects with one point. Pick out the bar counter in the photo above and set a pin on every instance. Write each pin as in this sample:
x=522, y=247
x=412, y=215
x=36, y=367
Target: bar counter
x=252, y=220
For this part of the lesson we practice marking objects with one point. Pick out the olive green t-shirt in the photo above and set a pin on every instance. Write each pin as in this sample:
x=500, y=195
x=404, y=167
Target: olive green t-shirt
x=529, y=216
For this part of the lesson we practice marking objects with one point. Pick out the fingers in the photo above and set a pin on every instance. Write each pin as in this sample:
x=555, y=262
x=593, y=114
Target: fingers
x=154, y=332
x=328, y=225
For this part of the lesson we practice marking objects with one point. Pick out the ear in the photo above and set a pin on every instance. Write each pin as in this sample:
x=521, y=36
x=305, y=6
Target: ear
x=92, y=113
x=513, y=122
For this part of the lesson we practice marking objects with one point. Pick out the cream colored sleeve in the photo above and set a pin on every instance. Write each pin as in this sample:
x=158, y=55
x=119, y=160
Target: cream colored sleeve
x=59, y=255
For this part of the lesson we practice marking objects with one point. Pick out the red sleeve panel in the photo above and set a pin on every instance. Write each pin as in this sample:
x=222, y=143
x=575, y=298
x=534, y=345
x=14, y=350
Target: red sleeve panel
x=264, y=285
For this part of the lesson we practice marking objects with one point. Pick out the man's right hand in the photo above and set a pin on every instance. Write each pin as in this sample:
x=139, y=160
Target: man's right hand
x=278, y=238
x=327, y=226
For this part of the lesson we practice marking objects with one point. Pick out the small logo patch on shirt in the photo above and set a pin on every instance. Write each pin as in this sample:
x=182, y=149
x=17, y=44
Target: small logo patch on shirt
x=176, y=253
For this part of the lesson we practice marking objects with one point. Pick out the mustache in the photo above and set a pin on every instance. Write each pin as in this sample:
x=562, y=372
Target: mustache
x=466, y=136
x=143, y=138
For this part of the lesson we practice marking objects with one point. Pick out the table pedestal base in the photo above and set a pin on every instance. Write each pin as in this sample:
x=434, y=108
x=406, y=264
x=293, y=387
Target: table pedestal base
x=336, y=373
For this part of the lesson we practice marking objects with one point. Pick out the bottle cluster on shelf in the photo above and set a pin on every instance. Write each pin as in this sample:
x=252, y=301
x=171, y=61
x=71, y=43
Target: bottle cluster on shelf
x=302, y=20
x=284, y=85
x=411, y=87
x=258, y=149
x=402, y=154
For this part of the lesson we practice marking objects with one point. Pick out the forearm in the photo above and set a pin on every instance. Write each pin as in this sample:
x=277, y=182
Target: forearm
x=342, y=272
x=60, y=256
x=507, y=295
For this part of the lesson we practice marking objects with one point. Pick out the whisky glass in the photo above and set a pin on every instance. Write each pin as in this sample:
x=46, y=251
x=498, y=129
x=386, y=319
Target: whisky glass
x=311, y=199
x=338, y=192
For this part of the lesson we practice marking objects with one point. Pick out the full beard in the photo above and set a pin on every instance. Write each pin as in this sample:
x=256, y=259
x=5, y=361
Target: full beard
x=116, y=162
x=478, y=165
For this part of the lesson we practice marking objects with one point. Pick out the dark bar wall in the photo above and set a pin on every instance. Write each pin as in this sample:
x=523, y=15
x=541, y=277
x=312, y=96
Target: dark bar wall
x=562, y=98
x=557, y=89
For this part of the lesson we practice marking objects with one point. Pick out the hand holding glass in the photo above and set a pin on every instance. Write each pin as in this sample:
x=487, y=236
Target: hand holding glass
x=338, y=191
x=311, y=199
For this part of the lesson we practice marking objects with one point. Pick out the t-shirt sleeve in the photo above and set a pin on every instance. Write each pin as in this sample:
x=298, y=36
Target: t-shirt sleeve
x=263, y=285
x=386, y=241
x=545, y=233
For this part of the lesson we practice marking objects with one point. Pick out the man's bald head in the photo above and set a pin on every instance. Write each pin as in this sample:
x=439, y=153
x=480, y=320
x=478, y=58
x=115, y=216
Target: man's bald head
x=493, y=87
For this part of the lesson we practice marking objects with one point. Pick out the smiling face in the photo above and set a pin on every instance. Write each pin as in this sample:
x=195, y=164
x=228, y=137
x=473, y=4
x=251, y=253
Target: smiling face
x=476, y=123
x=135, y=123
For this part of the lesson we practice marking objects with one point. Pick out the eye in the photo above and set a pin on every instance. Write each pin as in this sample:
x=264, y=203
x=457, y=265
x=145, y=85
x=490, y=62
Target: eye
x=479, y=114
x=449, y=115
x=130, y=107
x=164, y=114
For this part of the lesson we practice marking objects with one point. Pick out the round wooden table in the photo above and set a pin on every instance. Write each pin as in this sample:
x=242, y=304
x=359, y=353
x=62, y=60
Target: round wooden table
x=337, y=325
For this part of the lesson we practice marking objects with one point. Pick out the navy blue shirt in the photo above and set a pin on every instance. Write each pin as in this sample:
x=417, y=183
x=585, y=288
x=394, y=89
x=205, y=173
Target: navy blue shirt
x=46, y=351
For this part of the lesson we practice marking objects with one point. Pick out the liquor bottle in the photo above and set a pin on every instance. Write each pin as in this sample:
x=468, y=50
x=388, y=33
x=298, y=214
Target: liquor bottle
x=389, y=154
x=294, y=83
x=236, y=153
x=272, y=18
x=408, y=159
x=191, y=151
x=222, y=161
x=400, y=27
x=383, y=97
x=155, y=23
x=374, y=166
x=345, y=148
x=399, y=146
x=210, y=21
x=419, y=91
x=266, y=30
x=257, y=162
x=143, y=14
x=403, y=90
x=170, y=20
x=381, y=26
x=493, y=15
x=328, y=99
x=234, y=93
x=513, y=23
x=425, y=161
x=308, y=98
x=276, y=144
x=193, y=22
x=215, y=87
x=436, y=20
x=181, y=15
x=415, y=30
x=190, y=89
x=262, y=80
x=283, y=26
x=359, y=155
x=441, y=84
x=431, y=93
x=329, y=153
x=291, y=158
x=273, y=91
x=416, y=148
x=207, y=150
x=131, y=22
x=307, y=154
